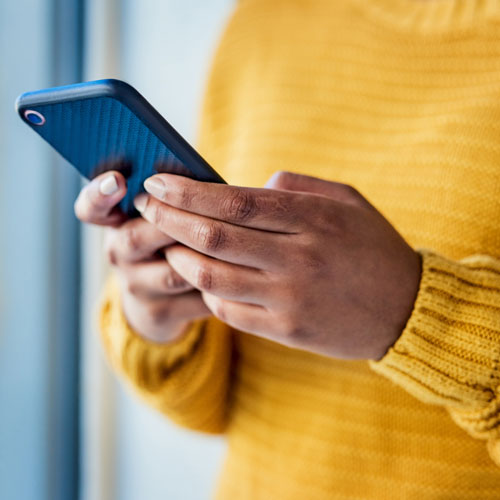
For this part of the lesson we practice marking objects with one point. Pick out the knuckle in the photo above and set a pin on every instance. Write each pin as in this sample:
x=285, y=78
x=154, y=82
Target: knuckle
x=172, y=280
x=210, y=236
x=291, y=330
x=328, y=219
x=240, y=206
x=350, y=191
x=284, y=179
x=310, y=257
x=349, y=194
x=111, y=256
x=131, y=240
x=185, y=196
x=219, y=310
x=159, y=314
x=204, y=278
x=132, y=288
x=280, y=207
x=338, y=225
x=157, y=215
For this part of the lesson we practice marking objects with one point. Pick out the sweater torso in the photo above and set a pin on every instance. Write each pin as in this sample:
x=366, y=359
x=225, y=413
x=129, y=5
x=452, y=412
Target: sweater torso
x=407, y=110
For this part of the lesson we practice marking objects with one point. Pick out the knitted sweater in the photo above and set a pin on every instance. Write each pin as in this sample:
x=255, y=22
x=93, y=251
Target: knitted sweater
x=401, y=99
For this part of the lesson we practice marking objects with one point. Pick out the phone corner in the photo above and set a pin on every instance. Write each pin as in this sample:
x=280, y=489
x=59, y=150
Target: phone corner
x=116, y=88
x=18, y=106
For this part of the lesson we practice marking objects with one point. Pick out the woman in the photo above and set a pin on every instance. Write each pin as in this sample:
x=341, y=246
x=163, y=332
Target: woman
x=368, y=290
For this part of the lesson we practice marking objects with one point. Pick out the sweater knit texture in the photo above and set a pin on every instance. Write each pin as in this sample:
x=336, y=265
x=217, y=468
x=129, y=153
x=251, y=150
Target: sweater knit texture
x=400, y=99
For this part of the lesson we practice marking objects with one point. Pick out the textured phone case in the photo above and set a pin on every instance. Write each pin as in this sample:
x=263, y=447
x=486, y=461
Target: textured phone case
x=107, y=125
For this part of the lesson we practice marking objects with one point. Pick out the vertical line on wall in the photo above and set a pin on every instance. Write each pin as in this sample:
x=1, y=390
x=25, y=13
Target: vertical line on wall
x=67, y=57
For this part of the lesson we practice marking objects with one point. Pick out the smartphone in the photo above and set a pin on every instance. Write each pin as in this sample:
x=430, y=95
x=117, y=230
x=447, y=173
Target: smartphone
x=107, y=125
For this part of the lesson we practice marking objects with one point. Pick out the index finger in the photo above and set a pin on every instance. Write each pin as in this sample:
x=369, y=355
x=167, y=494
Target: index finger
x=134, y=241
x=257, y=208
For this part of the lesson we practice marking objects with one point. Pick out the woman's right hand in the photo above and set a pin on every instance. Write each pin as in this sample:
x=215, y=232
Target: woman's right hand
x=157, y=302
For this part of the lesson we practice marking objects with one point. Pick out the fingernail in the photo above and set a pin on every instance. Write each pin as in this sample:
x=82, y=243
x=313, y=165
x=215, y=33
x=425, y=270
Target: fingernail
x=155, y=186
x=140, y=202
x=108, y=185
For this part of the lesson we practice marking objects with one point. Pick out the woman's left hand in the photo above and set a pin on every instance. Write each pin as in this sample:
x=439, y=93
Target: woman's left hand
x=304, y=262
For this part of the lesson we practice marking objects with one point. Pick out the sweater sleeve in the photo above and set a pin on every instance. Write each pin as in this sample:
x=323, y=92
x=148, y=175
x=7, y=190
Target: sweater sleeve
x=187, y=380
x=449, y=351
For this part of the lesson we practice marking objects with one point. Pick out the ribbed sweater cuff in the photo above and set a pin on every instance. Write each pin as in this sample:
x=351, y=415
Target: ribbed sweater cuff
x=449, y=351
x=145, y=363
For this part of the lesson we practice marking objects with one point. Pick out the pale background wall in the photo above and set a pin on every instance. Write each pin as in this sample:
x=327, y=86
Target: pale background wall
x=163, y=48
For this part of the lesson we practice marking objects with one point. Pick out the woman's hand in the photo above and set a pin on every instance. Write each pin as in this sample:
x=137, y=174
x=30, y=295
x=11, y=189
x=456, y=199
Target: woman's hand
x=308, y=263
x=157, y=302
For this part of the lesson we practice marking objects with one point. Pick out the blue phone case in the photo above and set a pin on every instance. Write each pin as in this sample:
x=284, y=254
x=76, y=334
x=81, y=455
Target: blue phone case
x=107, y=125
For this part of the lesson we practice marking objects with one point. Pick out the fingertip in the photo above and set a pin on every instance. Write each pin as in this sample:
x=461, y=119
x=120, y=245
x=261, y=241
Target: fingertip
x=108, y=185
x=168, y=178
x=111, y=183
x=140, y=202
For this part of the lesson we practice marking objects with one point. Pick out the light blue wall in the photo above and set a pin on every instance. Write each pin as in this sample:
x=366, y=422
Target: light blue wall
x=39, y=262
x=25, y=230
x=166, y=52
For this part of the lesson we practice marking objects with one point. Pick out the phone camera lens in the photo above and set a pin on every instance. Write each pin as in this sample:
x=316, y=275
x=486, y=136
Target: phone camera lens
x=34, y=117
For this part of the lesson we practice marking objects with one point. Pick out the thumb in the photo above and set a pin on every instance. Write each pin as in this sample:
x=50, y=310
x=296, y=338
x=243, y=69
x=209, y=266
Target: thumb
x=343, y=193
x=97, y=201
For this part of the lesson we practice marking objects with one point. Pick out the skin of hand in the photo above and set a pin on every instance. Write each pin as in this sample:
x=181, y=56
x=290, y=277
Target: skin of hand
x=308, y=263
x=157, y=302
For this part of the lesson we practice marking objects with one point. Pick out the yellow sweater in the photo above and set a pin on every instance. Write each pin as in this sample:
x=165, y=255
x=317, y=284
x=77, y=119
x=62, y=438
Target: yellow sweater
x=401, y=99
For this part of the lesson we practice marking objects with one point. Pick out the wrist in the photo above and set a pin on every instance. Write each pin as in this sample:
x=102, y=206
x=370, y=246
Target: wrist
x=400, y=306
